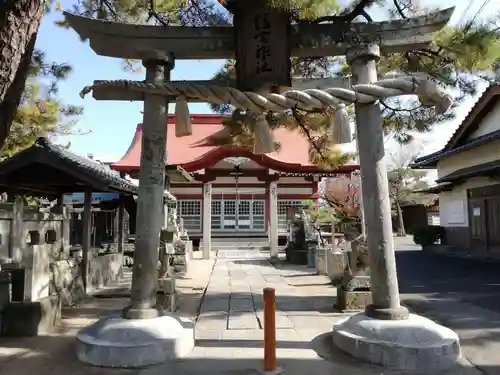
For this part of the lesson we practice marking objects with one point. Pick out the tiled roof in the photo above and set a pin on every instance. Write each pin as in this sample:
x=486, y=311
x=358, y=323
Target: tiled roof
x=469, y=124
x=183, y=151
x=487, y=91
x=101, y=171
x=491, y=167
x=431, y=159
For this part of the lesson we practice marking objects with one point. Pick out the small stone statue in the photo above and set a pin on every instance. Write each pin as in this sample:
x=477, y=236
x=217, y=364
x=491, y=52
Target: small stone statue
x=179, y=256
x=301, y=238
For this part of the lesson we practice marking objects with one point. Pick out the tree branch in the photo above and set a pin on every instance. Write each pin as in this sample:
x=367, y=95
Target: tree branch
x=349, y=15
x=298, y=119
x=399, y=9
x=156, y=16
x=399, y=109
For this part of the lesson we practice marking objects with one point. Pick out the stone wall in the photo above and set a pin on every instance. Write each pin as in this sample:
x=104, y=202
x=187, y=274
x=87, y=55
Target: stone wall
x=105, y=269
x=35, y=246
x=67, y=281
x=50, y=267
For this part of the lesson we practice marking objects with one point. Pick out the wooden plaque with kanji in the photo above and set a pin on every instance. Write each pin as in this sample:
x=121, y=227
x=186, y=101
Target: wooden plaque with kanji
x=262, y=46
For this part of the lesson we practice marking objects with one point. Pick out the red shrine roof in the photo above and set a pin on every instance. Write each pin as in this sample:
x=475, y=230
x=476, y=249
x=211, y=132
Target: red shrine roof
x=197, y=151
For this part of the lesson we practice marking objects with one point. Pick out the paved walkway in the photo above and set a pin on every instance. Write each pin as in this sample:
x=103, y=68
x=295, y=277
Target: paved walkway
x=229, y=327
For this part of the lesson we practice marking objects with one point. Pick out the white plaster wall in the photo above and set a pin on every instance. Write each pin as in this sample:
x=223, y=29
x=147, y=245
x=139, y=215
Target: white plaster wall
x=292, y=180
x=453, y=208
x=185, y=190
x=479, y=155
x=241, y=190
x=490, y=123
x=241, y=180
x=295, y=190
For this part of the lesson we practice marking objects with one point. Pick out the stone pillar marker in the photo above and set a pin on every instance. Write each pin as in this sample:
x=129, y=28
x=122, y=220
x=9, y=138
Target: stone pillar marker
x=87, y=252
x=17, y=232
x=207, y=219
x=121, y=230
x=273, y=219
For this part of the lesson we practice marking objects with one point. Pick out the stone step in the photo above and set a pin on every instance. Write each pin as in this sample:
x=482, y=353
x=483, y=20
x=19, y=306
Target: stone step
x=238, y=246
x=240, y=239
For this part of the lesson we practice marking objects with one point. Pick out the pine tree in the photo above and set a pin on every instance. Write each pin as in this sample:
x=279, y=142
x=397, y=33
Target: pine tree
x=20, y=63
x=39, y=115
x=459, y=57
x=40, y=112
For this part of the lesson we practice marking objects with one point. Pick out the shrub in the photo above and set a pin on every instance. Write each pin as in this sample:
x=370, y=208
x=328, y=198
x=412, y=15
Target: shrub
x=428, y=235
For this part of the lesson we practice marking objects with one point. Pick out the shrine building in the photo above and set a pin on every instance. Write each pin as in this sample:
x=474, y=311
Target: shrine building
x=246, y=193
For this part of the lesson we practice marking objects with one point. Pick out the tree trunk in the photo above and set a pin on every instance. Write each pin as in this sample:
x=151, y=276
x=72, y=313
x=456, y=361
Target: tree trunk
x=401, y=224
x=19, y=23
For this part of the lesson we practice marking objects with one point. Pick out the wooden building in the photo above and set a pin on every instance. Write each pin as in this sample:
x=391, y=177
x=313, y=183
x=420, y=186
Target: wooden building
x=246, y=193
x=468, y=181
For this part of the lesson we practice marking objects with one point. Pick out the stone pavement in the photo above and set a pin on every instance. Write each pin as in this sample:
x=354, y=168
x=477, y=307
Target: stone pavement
x=229, y=327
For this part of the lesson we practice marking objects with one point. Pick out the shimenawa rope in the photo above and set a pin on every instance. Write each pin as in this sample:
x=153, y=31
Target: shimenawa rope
x=430, y=93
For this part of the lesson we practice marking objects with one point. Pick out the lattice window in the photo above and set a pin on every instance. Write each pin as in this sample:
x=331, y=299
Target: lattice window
x=259, y=208
x=190, y=211
x=216, y=215
x=259, y=215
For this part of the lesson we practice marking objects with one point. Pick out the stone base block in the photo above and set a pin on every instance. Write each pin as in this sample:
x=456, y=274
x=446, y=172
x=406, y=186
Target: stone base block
x=414, y=344
x=166, y=285
x=165, y=302
x=349, y=301
x=298, y=256
x=165, y=296
x=133, y=343
x=321, y=261
x=335, y=265
x=31, y=318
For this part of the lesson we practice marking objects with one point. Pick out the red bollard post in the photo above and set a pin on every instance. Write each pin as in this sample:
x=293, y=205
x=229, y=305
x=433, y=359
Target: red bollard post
x=269, y=330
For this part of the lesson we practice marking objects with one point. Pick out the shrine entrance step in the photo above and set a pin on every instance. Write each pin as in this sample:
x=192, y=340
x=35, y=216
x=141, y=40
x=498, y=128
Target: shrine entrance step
x=243, y=243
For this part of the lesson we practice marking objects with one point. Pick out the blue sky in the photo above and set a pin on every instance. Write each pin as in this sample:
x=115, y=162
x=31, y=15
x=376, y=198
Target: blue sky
x=113, y=123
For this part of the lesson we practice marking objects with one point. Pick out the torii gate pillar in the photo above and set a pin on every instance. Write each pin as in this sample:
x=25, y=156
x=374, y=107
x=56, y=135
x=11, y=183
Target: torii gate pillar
x=144, y=335
x=386, y=333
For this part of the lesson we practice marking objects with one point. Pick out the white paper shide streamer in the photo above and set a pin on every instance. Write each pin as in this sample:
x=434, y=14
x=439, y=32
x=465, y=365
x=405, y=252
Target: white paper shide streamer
x=340, y=128
x=264, y=143
x=183, y=126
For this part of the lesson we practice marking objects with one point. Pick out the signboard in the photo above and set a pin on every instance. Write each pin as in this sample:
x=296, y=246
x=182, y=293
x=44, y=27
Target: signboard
x=262, y=46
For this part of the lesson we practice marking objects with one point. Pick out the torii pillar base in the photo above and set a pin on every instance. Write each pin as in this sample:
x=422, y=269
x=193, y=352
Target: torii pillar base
x=114, y=341
x=414, y=344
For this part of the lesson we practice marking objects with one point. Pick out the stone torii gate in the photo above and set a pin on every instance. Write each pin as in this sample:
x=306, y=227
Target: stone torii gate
x=262, y=42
